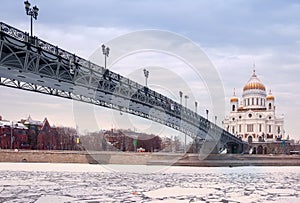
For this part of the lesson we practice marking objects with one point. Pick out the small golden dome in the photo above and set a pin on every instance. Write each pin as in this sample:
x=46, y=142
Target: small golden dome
x=254, y=83
x=241, y=107
x=270, y=96
x=234, y=99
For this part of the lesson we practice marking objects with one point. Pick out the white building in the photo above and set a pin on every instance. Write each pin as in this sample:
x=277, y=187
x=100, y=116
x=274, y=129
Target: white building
x=253, y=118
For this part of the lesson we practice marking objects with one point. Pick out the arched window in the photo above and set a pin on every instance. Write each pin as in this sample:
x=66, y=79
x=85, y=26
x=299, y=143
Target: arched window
x=270, y=106
x=250, y=139
x=259, y=149
x=259, y=127
x=233, y=107
x=261, y=101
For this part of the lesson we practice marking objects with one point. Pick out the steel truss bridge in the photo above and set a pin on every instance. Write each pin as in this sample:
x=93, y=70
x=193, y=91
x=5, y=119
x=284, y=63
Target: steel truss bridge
x=31, y=64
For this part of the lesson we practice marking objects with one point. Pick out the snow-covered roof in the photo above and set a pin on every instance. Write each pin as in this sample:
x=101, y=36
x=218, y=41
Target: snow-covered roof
x=4, y=123
x=30, y=121
x=20, y=126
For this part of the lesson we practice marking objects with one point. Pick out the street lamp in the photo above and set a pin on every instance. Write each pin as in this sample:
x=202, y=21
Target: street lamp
x=32, y=12
x=11, y=134
x=207, y=114
x=180, y=95
x=105, y=51
x=186, y=98
x=146, y=73
x=215, y=125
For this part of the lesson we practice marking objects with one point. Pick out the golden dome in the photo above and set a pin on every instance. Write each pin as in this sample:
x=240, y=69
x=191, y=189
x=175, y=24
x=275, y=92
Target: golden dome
x=254, y=83
x=270, y=96
x=234, y=99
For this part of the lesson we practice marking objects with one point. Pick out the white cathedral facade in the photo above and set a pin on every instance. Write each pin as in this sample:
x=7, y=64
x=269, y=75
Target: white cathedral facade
x=252, y=118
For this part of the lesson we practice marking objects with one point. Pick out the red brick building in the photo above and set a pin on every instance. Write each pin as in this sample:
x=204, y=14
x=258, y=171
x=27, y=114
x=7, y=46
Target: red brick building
x=32, y=134
x=13, y=135
x=42, y=136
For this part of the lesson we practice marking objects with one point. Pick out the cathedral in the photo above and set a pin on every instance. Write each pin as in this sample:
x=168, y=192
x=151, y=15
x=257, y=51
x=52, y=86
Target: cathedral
x=253, y=118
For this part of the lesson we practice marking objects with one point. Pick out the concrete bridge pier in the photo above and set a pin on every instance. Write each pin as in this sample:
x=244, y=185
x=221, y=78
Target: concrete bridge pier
x=209, y=147
x=215, y=147
x=236, y=148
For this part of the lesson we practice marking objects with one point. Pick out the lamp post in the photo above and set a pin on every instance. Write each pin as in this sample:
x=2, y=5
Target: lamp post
x=105, y=51
x=33, y=13
x=207, y=114
x=11, y=135
x=146, y=74
x=186, y=98
x=215, y=125
x=180, y=95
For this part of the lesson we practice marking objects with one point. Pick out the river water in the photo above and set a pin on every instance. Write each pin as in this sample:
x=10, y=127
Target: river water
x=45, y=182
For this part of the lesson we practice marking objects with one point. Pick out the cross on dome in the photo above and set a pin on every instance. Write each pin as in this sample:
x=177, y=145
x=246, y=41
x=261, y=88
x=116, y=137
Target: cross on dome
x=254, y=74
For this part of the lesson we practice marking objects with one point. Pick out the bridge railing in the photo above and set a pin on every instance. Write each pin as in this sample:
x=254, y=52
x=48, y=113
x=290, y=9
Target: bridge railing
x=173, y=107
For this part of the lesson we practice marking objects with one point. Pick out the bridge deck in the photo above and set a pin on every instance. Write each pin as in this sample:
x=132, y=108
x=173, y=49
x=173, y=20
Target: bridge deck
x=32, y=64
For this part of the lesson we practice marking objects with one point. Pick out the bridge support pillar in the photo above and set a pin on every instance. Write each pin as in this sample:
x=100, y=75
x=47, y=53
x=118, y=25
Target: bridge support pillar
x=208, y=147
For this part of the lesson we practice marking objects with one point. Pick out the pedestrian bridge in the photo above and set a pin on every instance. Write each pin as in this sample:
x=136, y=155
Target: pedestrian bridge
x=31, y=64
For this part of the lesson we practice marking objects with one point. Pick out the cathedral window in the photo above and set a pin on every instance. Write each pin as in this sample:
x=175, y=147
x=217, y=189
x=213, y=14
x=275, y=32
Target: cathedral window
x=250, y=139
x=270, y=106
x=259, y=127
x=233, y=107
x=270, y=128
x=250, y=128
x=232, y=129
x=240, y=128
x=252, y=101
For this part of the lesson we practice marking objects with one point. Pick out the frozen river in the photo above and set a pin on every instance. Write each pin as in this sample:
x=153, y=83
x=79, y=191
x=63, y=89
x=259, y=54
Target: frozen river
x=41, y=182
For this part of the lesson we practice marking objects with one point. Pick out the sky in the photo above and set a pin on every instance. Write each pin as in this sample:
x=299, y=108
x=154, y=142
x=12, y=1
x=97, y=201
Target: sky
x=233, y=34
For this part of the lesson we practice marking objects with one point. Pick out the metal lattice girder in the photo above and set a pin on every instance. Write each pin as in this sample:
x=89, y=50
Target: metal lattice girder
x=32, y=64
